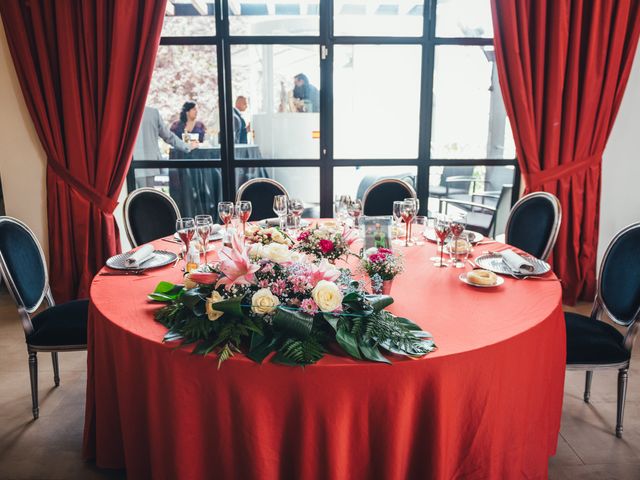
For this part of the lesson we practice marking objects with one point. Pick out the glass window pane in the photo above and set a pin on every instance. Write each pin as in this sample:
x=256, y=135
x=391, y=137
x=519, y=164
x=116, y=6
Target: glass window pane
x=276, y=95
x=184, y=18
x=469, y=119
x=274, y=17
x=376, y=101
x=195, y=190
x=301, y=182
x=362, y=17
x=464, y=18
x=187, y=73
x=354, y=181
x=480, y=184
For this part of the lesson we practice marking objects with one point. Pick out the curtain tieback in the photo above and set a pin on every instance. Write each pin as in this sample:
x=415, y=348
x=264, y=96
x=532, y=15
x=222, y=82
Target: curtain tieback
x=89, y=193
x=537, y=179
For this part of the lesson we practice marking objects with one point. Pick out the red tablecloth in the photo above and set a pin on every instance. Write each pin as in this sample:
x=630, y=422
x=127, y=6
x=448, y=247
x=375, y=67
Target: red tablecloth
x=485, y=405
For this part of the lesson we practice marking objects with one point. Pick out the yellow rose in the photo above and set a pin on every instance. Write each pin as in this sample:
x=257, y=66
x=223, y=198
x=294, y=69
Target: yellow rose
x=188, y=283
x=277, y=236
x=327, y=296
x=211, y=313
x=264, y=302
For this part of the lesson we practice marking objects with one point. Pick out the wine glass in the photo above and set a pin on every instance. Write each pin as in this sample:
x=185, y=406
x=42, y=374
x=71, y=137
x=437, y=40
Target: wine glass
x=355, y=211
x=204, y=224
x=225, y=211
x=280, y=208
x=442, y=228
x=243, y=208
x=186, y=228
x=296, y=207
x=458, y=223
x=408, y=212
x=397, y=217
x=343, y=206
x=417, y=207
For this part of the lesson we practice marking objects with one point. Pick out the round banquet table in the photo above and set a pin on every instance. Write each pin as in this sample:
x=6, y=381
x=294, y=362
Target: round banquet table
x=485, y=405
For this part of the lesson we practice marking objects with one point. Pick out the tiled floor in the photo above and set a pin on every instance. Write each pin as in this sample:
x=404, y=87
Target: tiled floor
x=50, y=447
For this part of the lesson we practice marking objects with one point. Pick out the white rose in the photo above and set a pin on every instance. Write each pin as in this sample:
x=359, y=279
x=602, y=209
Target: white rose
x=277, y=236
x=264, y=302
x=276, y=252
x=370, y=251
x=251, y=230
x=256, y=251
x=327, y=296
x=211, y=313
x=188, y=283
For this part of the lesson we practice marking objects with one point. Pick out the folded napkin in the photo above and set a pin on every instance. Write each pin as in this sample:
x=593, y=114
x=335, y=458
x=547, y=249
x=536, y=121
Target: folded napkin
x=215, y=228
x=136, y=259
x=517, y=263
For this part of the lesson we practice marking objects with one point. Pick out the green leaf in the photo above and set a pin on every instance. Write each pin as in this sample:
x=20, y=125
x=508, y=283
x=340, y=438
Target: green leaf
x=371, y=352
x=165, y=292
x=332, y=320
x=379, y=302
x=348, y=342
x=204, y=347
x=232, y=306
x=193, y=300
x=351, y=297
x=293, y=322
x=171, y=336
x=261, y=346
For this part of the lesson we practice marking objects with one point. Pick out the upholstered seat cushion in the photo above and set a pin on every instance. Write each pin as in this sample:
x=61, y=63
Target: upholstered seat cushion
x=592, y=341
x=64, y=324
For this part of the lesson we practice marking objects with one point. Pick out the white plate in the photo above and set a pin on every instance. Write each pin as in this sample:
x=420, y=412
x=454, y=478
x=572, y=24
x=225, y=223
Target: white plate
x=160, y=259
x=493, y=261
x=463, y=279
x=476, y=237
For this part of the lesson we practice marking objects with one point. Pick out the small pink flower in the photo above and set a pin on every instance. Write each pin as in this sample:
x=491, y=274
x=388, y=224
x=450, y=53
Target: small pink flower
x=278, y=287
x=263, y=283
x=326, y=246
x=385, y=251
x=304, y=235
x=309, y=306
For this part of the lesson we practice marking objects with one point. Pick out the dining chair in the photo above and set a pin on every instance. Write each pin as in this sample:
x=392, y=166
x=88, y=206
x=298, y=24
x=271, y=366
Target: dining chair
x=58, y=328
x=486, y=219
x=455, y=183
x=534, y=223
x=596, y=345
x=149, y=214
x=260, y=192
x=378, y=198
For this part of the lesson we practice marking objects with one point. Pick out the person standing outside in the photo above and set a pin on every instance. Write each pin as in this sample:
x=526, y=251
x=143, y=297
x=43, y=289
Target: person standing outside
x=188, y=122
x=240, y=126
x=306, y=94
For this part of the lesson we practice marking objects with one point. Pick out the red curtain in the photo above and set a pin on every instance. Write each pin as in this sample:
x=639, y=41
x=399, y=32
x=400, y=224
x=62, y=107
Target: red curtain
x=563, y=66
x=84, y=69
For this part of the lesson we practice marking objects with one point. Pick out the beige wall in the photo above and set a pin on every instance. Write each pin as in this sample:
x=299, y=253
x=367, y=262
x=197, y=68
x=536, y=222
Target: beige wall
x=22, y=160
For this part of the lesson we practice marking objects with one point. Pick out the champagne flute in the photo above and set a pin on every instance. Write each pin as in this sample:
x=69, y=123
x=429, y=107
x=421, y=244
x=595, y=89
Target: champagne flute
x=225, y=211
x=280, y=208
x=243, y=207
x=296, y=207
x=417, y=207
x=186, y=228
x=408, y=212
x=355, y=211
x=204, y=224
x=442, y=228
x=397, y=217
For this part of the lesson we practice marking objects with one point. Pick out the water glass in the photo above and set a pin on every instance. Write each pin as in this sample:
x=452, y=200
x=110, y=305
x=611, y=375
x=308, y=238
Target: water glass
x=419, y=226
x=296, y=207
x=355, y=211
x=459, y=248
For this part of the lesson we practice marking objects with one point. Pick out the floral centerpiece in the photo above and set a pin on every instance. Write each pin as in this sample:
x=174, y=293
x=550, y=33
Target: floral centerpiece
x=267, y=298
x=326, y=241
x=265, y=236
x=382, y=265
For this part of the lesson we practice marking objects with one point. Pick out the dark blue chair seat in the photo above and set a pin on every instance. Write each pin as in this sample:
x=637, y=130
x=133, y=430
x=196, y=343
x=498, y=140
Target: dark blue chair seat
x=592, y=342
x=60, y=325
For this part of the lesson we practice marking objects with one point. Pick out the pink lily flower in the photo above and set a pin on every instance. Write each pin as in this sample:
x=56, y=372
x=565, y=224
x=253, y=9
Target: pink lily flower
x=349, y=236
x=323, y=271
x=236, y=265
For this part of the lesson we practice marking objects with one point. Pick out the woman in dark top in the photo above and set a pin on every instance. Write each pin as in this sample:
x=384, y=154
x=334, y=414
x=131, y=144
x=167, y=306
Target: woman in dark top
x=188, y=122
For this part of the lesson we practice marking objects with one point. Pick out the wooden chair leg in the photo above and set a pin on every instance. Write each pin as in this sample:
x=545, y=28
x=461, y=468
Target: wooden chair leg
x=622, y=394
x=587, y=386
x=56, y=368
x=33, y=375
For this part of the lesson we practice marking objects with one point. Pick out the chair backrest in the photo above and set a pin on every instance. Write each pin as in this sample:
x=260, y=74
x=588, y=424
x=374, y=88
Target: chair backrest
x=149, y=214
x=619, y=280
x=456, y=172
x=497, y=176
x=260, y=192
x=369, y=180
x=501, y=214
x=534, y=223
x=379, y=197
x=22, y=264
